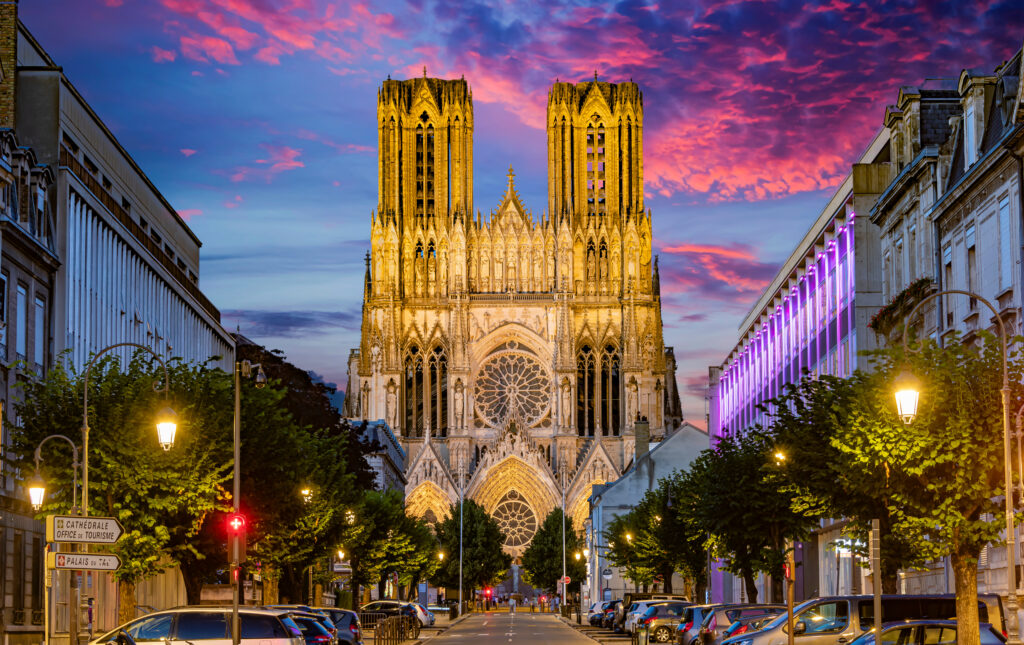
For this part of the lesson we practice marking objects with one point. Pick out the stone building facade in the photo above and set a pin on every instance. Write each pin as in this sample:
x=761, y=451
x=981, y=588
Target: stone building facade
x=511, y=353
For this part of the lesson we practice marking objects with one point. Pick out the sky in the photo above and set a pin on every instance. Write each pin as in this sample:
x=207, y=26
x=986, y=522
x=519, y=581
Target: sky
x=256, y=119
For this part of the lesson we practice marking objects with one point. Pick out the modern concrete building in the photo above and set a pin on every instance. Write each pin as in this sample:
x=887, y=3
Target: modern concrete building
x=91, y=254
x=675, y=452
x=812, y=318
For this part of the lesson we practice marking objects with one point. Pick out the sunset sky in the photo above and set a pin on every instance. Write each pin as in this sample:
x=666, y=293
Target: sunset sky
x=256, y=119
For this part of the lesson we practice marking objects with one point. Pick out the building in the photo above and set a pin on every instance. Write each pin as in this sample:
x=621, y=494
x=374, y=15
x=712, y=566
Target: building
x=91, y=254
x=387, y=459
x=969, y=214
x=812, y=318
x=512, y=353
x=676, y=452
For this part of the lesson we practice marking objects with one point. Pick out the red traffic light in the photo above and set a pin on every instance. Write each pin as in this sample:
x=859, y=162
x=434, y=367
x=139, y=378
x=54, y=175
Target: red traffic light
x=487, y=592
x=236, y=524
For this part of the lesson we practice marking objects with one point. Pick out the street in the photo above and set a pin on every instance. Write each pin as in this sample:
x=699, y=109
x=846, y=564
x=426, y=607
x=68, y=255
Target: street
x=499, y=628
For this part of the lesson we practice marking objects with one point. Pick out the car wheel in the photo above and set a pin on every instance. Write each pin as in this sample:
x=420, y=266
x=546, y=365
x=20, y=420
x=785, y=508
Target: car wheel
x=662, y=635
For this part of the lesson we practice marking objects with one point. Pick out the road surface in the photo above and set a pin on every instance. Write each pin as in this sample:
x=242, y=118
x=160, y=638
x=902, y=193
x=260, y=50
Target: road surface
x=502, y=628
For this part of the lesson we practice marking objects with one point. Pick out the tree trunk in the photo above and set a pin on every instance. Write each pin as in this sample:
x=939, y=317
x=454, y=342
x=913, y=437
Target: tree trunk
x=125, y=601
x=193, y=584
x=667, y=577
x=965, y=573
x=778, y=595
x=270, y=590
x=699, y=590
x=751, y=584
x=890, y=577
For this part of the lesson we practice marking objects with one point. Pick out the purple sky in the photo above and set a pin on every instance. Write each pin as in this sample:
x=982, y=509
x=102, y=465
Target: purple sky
x=256, y=119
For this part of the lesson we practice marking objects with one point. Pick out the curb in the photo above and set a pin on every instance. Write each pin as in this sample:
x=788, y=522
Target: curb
x=446, y=628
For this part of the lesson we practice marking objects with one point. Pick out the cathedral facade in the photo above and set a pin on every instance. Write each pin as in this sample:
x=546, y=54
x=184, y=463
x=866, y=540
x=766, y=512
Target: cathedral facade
x=511, y=353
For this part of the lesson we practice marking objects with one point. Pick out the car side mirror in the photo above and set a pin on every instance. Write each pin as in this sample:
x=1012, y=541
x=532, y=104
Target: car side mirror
x=800, y=627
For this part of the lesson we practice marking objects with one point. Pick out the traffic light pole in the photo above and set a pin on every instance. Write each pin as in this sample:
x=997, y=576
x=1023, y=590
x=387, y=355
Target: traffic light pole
x=236, y=491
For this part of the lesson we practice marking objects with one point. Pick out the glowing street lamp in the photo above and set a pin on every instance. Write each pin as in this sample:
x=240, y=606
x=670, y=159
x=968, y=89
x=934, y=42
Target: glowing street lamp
x=908, y=393
x=166, y=427
x=36, y=491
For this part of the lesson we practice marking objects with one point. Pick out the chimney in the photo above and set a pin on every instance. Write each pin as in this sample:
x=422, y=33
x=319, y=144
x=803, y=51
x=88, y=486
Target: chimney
x=8, y=60
x=642, y=433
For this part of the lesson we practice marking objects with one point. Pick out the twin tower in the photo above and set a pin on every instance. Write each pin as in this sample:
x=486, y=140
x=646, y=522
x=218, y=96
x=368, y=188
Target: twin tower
x=514, y=348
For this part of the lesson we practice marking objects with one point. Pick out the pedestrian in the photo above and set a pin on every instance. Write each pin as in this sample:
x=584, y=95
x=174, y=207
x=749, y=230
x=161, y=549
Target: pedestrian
x=512, y=604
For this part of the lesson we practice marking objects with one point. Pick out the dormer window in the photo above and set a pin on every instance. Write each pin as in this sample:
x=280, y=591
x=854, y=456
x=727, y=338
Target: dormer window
x=970, y=136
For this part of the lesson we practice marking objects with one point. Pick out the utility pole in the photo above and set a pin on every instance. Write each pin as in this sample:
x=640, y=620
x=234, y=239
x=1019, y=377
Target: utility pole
x=462, y=490
x=562, y=468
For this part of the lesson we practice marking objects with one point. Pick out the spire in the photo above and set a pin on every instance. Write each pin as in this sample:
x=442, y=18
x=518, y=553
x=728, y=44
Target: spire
x=595, y=75
x=366, y=279
x=424, y=71
x=511, y=179
x=657, y=278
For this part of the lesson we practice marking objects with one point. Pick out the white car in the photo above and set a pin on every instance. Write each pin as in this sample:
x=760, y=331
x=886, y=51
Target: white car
x=637, y=610
x=426, y=618
x=207, y=625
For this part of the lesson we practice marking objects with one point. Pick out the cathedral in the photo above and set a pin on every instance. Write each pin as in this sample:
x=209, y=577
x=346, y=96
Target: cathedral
x=512, y=354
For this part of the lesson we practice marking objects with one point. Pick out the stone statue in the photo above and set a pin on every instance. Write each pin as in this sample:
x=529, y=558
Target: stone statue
x=364, y=406
x=591, y=265
x=631, y=401
x=458, y=403
x=566, y=402
x=391, y=411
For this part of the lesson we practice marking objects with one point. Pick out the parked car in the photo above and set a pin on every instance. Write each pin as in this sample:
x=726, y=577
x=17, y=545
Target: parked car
x=350, y=632
x=840, y=619
x=718, y=619
x=202, y=625
x=313, y=630
x=637, y=610
x=660, y=620
x=926, y=631
x=609, y=613
x=748, y=624
x=619, y=619
x=689, y=624
x=425, y=616
x=595, y=613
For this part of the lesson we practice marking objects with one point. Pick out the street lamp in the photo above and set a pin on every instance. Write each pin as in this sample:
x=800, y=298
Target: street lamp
x=242, y=368
x=162, y=432
x=578, y=556
x=166, y=427
x=907, y=397
x=36, y=485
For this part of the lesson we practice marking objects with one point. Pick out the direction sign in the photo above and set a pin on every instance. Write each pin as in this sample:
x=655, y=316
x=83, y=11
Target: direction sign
x=82, y=530
x=90, y=561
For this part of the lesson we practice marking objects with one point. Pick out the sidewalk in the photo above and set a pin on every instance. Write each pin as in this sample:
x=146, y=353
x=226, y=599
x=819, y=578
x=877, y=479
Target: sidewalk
x=599, y=634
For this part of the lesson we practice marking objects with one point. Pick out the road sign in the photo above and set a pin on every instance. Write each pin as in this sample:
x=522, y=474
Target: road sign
x=607, y=574
x=89, y=561
x=82, y=530
x=567, y=580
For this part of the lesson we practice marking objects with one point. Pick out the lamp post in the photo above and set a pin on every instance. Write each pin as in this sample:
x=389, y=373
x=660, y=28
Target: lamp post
x=907, y=398
x=562, y=468
x=462, y=491
x=36, y=494
x=167, y=425
x=242, y=368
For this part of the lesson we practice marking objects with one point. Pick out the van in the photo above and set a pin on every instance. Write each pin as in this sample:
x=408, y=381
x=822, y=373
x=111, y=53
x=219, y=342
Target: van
x=840, y=619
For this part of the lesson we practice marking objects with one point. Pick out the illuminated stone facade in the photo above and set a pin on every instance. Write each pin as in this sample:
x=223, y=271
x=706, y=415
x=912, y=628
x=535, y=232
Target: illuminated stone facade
x=514, y=348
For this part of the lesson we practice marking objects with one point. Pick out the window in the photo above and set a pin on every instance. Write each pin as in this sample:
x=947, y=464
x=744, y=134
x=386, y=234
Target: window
x=3, y=317
x=39, y=344
x=205, y=625
x=826, y=618
x=912, y=253
x=947, y=280
x=972, y=264
x=970, y=136
x=256, y=626
x=897, y=283
x=150, y=628
x=902, y=636
x=21, y=322
x=1005, y=254
x=936, y=635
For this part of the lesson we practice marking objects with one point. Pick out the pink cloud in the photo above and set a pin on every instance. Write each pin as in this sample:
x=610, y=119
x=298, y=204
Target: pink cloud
x=345, y=148
x=203, y=48
x=188, y=152
x=188, y=213
x=731, y=273
x=233, y=203
x=163, y=55
x=279, y=159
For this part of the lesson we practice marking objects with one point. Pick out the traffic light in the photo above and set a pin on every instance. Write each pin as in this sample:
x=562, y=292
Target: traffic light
x=487, y=592
x=236, y=538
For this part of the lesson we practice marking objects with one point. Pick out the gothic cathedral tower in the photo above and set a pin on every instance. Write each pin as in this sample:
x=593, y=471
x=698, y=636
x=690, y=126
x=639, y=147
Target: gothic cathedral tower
x=511, y=354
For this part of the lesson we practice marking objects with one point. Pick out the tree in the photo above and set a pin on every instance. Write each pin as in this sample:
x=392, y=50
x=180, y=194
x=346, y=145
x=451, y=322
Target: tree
x=620, y=535
x=807, y=423
x=672, y=534
x=161, y=497
x=944, y=470
x=484, y=561
x=749, y=517
x=542, y=560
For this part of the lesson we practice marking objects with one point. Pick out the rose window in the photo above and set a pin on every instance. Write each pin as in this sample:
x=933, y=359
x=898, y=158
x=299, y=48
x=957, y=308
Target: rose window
x=512, y=381
x=516, y=520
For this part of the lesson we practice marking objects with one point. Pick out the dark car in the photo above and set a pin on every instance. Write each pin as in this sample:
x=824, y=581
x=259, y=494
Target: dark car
x=596, y=613
x=609, y=614
x=719, y=619
x=689, y=625
x=313, y=630
x=371, y=612
x=349, y=632
x=747, y=624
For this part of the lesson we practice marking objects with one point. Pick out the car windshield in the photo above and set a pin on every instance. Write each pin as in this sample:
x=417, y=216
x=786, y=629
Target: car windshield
x=781, y=618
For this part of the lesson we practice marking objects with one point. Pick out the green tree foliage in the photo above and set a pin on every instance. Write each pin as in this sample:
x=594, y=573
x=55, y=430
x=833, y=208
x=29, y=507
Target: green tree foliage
x=945, y=470
x=161, y=498
x=484, y=561
x=620, y=536
x=542, y=560
x=745, y=509
x=808, y=422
